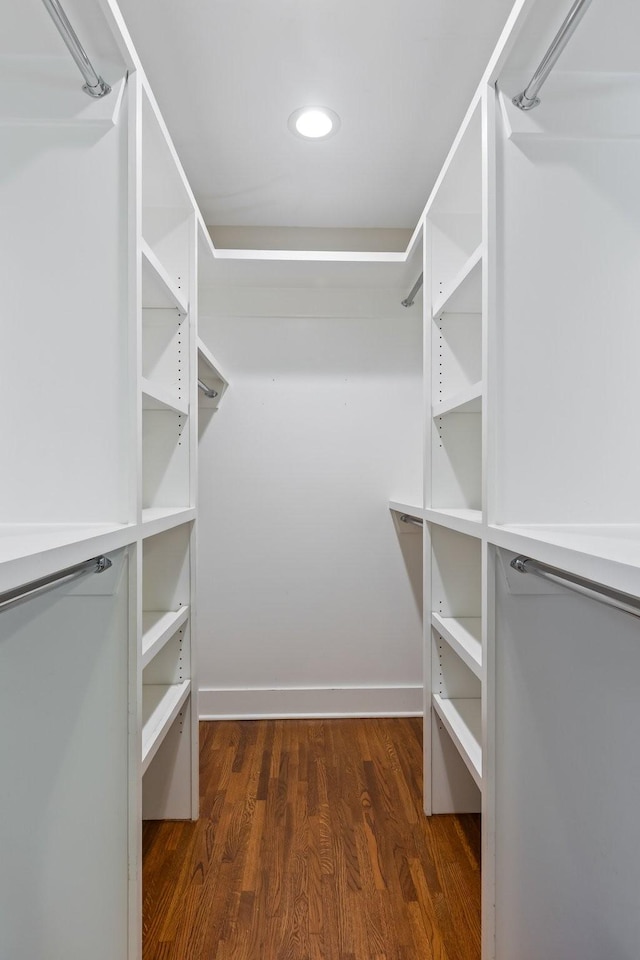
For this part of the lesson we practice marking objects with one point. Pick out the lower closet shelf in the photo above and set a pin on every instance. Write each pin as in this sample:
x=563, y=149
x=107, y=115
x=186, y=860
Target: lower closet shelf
x=462, y=719
x=161, y=704
x=158, y=626
x=464, y=636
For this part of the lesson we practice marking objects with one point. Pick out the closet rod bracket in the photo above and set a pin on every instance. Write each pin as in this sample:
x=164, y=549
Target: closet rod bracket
x=94, y=86
x=529, y=98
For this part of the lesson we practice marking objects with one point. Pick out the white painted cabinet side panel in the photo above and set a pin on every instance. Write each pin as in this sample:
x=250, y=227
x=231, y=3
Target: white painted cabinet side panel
x=567, y=778
x=64, y=785
x=63, y=275
x=568, y=333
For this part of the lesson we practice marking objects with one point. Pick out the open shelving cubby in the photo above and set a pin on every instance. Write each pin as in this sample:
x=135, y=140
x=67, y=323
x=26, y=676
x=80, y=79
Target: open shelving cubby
x=167, y=326
x=455, y=214
x=167, y=338
x=167, y=208
x=454, y=316
x=168, y=784
x=456, y=671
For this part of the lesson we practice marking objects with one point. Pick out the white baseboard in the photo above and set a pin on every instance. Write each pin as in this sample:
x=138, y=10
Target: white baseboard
x=308, y=702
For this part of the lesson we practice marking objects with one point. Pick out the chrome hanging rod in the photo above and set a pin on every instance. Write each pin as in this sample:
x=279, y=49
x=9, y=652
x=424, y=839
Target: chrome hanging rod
x=208, y=391
x=94, y=85
x=409, y=299
x=587, y=588
x=529, y=98
x=406, y=518
x=28, y=590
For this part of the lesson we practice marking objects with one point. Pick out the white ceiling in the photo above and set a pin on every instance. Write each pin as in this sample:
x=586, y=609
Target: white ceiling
x=228, y=73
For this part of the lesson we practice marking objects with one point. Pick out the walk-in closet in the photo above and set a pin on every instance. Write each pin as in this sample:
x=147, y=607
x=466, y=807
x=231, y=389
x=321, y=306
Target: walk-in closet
x=320, y=511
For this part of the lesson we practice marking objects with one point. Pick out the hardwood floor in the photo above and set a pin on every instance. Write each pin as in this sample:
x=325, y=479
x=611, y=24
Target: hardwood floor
x=312, y=845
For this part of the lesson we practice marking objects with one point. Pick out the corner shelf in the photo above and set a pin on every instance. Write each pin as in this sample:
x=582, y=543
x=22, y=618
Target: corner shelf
x=210, y=374
x=158, y=626
x=464, y=293
x=468, y=400
x=158, y=290
x=161, y=705
x=464, y=636
x=462, y=719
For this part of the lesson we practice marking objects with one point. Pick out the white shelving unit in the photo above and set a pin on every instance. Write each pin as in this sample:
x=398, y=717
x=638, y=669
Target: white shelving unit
x=107, y=330
x=524, y=456
x=453, y=495
x=530, y=254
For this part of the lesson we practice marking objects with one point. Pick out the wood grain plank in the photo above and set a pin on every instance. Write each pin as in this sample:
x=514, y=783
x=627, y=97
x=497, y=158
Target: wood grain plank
x=312, y=845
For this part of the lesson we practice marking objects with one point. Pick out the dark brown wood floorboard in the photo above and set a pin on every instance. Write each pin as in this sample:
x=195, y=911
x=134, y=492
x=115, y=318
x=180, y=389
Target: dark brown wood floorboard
x=312, y=845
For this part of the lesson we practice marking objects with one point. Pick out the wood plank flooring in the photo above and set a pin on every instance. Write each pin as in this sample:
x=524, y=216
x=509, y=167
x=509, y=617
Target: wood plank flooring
x=312, y=845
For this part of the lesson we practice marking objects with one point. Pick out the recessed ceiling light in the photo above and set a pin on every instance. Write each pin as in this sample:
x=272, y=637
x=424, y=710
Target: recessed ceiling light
x=314, y=123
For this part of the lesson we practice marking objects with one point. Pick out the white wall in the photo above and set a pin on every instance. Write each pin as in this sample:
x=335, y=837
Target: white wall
x=309, y=601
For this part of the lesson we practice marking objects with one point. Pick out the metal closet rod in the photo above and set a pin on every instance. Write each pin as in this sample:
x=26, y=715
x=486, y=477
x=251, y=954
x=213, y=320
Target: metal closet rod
x=407, y=518
x=411, y=296
x=587, y=588
x=27, y=590
x=529, y=98
x=208, y=391
x=94, y=85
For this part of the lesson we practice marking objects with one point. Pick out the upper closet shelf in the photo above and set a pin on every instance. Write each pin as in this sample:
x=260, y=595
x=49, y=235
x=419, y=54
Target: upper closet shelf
x=576, y=106
x=158, y=290
x=156, y=396
x=414, y=516
x=29, y=551
x=468, y=400
x=460, y=519
x=464, y=293
x=605, y=553
x=158, y=519
x=463, y=634
x=210, y=377
x=462, y=720
x=411, y=509
x=47, y=91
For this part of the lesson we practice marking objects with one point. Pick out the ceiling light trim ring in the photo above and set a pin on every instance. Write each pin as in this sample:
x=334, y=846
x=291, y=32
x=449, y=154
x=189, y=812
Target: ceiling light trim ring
x=325, y=112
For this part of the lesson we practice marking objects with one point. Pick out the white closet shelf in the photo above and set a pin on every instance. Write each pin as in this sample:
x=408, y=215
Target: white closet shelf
x=459, y=519
x=161, y=704
x=462, y=719
x=468, y=400
x=210, y=374
x=158, y=289
x=606, y=553
x=581, y=105
x=464, y=636
x=158, y=519
x=158, y=627
x=42, y=90
x=157, y=396
x=464, y=293
x=29, y=551
x=398, y=506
